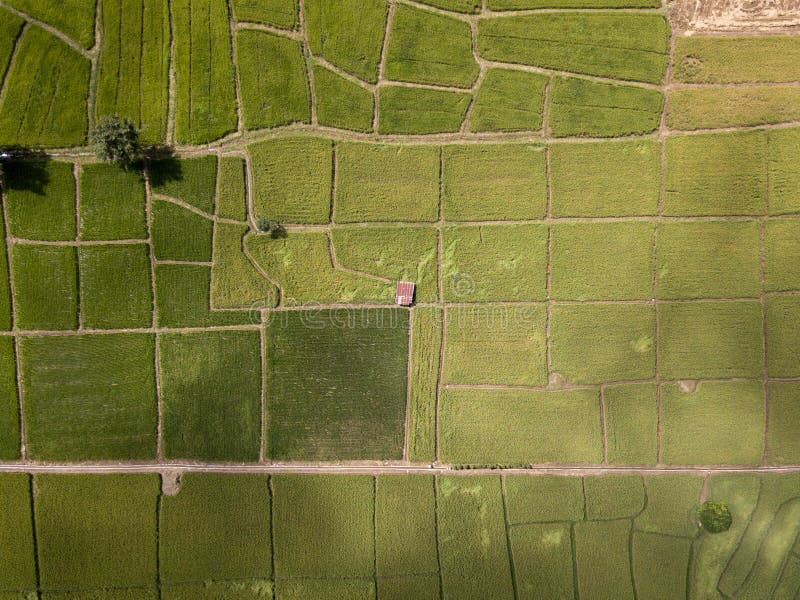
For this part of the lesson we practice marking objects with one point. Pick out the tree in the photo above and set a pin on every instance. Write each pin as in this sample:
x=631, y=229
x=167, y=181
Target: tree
x=715, y=516
x=116, y=140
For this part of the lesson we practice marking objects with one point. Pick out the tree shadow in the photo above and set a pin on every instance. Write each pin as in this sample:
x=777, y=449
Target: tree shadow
x=278, y=231
x=24, y=169
x=162, y=165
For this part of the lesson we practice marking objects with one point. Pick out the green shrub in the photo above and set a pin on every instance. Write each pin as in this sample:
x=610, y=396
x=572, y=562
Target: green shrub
x=117, y=141
x=715, y=516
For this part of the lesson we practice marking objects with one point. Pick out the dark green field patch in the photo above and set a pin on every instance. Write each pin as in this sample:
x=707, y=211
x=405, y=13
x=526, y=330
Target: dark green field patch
x=112, y=204
x=342, y=103
x=9, y=403
x=183, y=299
x=40, y=199
x=179, y=234
x=75, y=18
x=716, y=174
x=509, y=100
x=279, y=13
x=605, y=179
x=613, y=496
x=462, y=6
x=115, y=288
x=89, y=397
x=45, y=287
x=491, y=182
x=632, y=423
x=617, y=45
x=587, y=108
x=348, y=33
x=16, y=534
x=602, y=559
x=424, y=355
x=10, y=29
x=323, y=526
x=783, y=336
x=235, y=282
x=783, y=445
x=659, y=565
x=191, y=180
x=428, y=47
x=204, y=74
x=382, y=182
x=232, y=198
x=671, y=505
x=211, y=395
x=249, y=589
x=5, y=285
x=545, y=498
x=784, y=178
x=292, y=179
x=348, y=401
x=543, y=566
x=133, y=68
x=46, y=88
x=233, y=542
x=406, y=110
x=782, y=255
x=278, y=95
x=519, y=427
x=107, y=538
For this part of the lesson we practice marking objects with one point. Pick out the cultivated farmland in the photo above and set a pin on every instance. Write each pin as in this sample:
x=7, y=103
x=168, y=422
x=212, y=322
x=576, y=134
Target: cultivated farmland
x=208, y=391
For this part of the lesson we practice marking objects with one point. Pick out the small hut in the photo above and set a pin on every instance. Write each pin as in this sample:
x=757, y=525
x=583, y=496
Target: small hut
x=405, y=293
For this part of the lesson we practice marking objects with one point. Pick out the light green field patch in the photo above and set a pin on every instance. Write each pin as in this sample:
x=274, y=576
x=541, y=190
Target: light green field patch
x=672, y=501
x=519, y=427
x=348, y=33
x=16, y=539
x=9, y=404
x=6, y=317
x=232, y=198
x=278, y=95
x=421, y=587
x=509, y=100
x=192, y=180
x=45, y=287
x=325, y=589
x=588, y=108
x=179, y=234
x=44, y=101
x=426, y=341
x=107, y=537
x=618, y=45
x=613, y=496
x=74, y=18
x=602, y=559
x=342, y=103
x=292, y=179
x=783, y=336
x=10, y=28
x=740, y=59
x=632, y=423
x=659, y=565
x=723, y=106
x=89, y=397
x=542, y=560
x=396, y=253
x=381, y=182
x=602, y=261
x=234, y=540
x=428, y=47
x=210, y=384
x=133, y=65
x=115, y=289
x=112, y=204
x=495, y=263
x=279, y=13
x=716, y=174
x=783, y=445
x=462, y=6
x=323, y=526
x=721, y=423
x=235, y=282
x=789, y=583
x=40, y=200
x=501, y=345
x=709, y=259
x=472, y=538
x=605, y=179
x=348, y=399
x=603, y=343
x=544, y=498
x=204, y=73
x=710, y=339
x=249, y=589
x=183, y=299
x=406, y=110
x=493, y=182
x=301, y=264
x=784, y=178
x=405, y=525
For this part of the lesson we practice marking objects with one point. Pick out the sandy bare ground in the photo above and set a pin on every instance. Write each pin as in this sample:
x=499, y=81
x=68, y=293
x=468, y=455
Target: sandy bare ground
x=736, y=16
